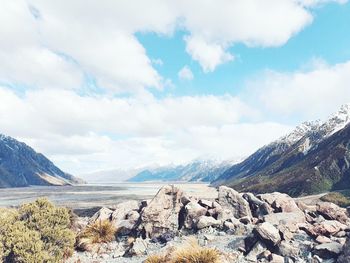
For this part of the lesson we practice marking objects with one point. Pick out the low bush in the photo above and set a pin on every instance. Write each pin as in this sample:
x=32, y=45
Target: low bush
x=36, y=232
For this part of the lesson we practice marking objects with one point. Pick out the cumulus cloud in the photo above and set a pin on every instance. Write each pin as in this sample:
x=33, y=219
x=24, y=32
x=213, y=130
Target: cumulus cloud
x=51, y=53
x=102, y=132
x=185, y=73
x=309, y=94
x=208, y=55
x=50, y=45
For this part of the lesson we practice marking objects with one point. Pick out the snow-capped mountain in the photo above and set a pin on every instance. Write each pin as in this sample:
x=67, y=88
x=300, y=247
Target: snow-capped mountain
x=21, y=166
x=306, y=149
x=196, y=171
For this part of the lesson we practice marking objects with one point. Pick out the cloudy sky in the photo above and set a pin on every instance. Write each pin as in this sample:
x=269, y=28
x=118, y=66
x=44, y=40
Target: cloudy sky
x=97, y=85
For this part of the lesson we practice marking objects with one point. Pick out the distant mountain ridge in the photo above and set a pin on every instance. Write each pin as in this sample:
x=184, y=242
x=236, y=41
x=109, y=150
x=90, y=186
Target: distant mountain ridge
x=311, y=159
x=21, y=166
x=196, y=171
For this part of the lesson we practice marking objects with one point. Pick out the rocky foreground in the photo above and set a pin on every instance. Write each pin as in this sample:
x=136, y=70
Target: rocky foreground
x=243, y=227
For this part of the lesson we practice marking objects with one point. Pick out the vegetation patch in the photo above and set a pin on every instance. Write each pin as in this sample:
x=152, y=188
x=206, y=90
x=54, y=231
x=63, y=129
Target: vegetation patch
x=336, y=198
x=36, y=232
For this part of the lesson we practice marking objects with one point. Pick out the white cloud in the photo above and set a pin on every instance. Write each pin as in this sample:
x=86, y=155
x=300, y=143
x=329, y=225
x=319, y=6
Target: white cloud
x=185, y=73
x=50, y=45
x=309, y=94
x=55, y=45
x=209, y=56
x=92, y=133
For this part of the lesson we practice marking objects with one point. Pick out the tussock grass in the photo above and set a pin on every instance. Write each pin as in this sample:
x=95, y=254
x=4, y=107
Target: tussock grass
x=156, y=259
x=190, y=252
x=99, y=232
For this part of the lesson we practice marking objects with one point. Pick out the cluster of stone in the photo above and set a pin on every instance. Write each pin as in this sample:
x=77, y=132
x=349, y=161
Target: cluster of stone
x=269, y=227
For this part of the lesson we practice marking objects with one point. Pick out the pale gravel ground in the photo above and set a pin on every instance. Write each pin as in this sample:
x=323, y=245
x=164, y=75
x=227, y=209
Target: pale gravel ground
x=89, y=196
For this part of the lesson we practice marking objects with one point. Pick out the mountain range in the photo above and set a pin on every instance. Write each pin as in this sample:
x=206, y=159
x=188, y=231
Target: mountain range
x=21, y=166
x=196, y=171
x=314, y=158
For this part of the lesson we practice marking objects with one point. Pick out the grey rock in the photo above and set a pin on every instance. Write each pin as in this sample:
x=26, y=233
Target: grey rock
x=101, y=215
x=289, y=249
x=192, y=213
x=328, y=250
x=345, y=254
x=258, y=207
x=332, y=212
x=206, y=221
x=268, y=232
x=162, y=213
x=232, y=201
x=280, y=202
x=138, y=247
x=257, y=249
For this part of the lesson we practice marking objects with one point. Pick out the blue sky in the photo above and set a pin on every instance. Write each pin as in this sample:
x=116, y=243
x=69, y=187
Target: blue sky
x=327, y=38
x=127, y=83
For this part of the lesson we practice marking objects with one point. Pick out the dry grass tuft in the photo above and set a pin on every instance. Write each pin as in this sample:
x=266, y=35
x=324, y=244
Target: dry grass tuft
x=156, y=259
x=190, y=252
x=99, y=232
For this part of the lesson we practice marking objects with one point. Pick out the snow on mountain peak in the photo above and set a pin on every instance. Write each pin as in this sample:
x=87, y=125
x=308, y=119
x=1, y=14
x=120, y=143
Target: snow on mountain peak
x=337, y=121
x=300, y=131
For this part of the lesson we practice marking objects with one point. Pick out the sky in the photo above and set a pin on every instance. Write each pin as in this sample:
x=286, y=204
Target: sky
x=121, y=84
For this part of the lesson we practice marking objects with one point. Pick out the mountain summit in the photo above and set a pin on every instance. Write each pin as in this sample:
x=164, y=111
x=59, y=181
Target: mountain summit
x=313, y=158
x=21, y=166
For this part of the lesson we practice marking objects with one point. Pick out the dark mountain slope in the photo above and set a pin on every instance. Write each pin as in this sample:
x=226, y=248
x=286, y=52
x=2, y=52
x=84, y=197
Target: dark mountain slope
x=324, y=168
x=316, y=160
x=21, y=166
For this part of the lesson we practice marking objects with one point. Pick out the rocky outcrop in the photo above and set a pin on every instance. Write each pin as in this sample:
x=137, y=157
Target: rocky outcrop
x=332, y=212
x=161, y=215
x=233, y=202
x=263, y=228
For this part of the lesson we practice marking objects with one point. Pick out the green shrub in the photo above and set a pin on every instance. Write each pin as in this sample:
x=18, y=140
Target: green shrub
x=36, y=232
x=53, y=224
x=23, y=245
x=336, y=198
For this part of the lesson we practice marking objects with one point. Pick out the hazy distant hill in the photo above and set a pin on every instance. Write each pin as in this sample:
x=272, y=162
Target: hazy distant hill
x=197, y=171
x=20, y=166
x=314, y=158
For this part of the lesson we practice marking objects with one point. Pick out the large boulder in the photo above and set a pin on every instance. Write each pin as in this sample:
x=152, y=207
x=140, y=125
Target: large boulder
x=269, y=233
x=192, y=213
x=161, y=215
x=280, y=202
x=233, y=203
x=332, y=212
